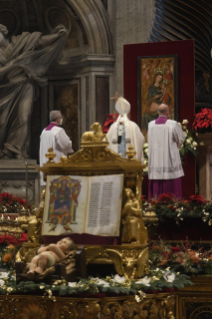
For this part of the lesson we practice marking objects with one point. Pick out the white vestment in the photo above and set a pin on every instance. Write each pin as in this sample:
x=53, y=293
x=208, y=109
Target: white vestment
x=58, y=140
x=164, y=141
x=131, y=135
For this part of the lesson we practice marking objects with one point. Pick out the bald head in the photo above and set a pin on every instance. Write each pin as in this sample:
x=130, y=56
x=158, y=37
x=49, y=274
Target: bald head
x=163, y=109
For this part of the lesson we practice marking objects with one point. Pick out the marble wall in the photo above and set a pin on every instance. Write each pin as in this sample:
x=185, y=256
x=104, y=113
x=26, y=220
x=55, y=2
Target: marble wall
x=130, y=22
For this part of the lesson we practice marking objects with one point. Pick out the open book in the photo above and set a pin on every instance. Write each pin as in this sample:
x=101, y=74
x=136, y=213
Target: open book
x=81, y=204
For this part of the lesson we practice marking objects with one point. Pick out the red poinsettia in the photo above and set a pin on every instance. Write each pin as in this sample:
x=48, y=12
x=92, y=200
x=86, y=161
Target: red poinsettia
x=203, y=121
x=110, y=120
x=166, y=198
x=197, y=199
x=12, y=203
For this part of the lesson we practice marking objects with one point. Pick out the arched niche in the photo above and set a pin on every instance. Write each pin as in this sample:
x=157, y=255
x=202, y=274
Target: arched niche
x=93, y=22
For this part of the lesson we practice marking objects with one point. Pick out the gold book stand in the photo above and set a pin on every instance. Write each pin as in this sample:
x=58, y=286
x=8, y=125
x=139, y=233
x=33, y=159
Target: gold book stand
x=93, y=159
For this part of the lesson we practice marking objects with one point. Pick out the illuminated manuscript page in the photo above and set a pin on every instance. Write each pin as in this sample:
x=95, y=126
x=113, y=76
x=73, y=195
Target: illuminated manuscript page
x=79, y=204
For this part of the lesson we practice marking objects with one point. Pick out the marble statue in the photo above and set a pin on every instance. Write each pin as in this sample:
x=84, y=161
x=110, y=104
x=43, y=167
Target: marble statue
x=24, y=60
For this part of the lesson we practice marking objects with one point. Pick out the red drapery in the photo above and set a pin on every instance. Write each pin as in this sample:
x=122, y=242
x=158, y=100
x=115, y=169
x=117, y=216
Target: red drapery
x=186, y=71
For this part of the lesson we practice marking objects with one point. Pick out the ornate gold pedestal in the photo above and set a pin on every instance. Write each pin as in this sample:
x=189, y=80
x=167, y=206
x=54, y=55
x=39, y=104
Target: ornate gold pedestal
x=28, y=307
x=129, y=260
x=95, y=158
x=195, y=302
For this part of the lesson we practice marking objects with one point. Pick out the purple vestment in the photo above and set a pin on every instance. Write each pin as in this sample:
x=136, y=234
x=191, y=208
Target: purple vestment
x=51, y=125
x=160, y=186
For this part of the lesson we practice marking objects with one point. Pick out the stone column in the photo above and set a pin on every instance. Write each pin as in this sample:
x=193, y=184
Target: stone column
x=133, y=20
x=204, y=162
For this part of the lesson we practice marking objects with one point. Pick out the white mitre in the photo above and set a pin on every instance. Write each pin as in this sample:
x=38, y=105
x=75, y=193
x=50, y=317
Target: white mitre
x=128, y=130
x=122, y=106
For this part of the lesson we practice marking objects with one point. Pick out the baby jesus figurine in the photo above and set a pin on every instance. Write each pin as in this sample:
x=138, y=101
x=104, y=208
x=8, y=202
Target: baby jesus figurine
x=49, y=255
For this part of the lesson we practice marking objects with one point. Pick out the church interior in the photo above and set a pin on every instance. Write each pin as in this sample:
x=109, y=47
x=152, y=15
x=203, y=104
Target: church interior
x=105, y=159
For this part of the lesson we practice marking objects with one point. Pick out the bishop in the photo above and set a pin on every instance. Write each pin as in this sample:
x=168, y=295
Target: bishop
x=124, y=132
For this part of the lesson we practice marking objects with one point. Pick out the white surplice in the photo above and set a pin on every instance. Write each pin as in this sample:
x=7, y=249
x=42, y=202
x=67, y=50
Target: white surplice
x=58, y=140
x=164, y=142
x=124, y=132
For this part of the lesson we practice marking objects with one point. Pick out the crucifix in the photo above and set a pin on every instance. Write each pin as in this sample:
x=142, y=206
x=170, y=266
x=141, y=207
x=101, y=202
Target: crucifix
x=115, y=98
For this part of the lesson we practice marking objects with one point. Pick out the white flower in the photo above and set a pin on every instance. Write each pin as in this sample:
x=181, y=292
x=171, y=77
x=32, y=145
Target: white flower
x=184, y=127
x=167, y=268
x=146, y=150
x=101, y=282
x=169, y=276
x=145, y=145
x=181, y=218
x=185, y=134
x=2, y=282
x=185, y=122
x=145, y=162
x=188, y=141
x=119, y=279
x=72, y=284
x=4, y=274
x=145, y=169
x=13, y=278
x=145, y=281
x=209, y=223
x=179, y=123
x=195, y=148
x=207, y=214
x=194, y=143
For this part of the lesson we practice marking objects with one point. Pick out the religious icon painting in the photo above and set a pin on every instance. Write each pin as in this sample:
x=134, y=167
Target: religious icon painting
x=63, y=212
x=157, y=84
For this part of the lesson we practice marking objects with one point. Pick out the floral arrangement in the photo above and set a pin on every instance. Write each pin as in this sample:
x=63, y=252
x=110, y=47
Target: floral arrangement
x=167, y=207
x=110, y=120
x=157, y=280
x=189, y=145
x=12, y=239
x=183, y=258
x=12, y=204
x=7, y=255
x=203, y=121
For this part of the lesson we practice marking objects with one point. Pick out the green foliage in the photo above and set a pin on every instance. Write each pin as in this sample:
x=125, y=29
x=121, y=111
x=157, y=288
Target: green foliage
x=89, y=286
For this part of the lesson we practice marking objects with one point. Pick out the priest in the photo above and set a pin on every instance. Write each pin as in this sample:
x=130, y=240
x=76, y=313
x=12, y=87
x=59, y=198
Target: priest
x=165, y=138
x=124, y=132
x=54, y=136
